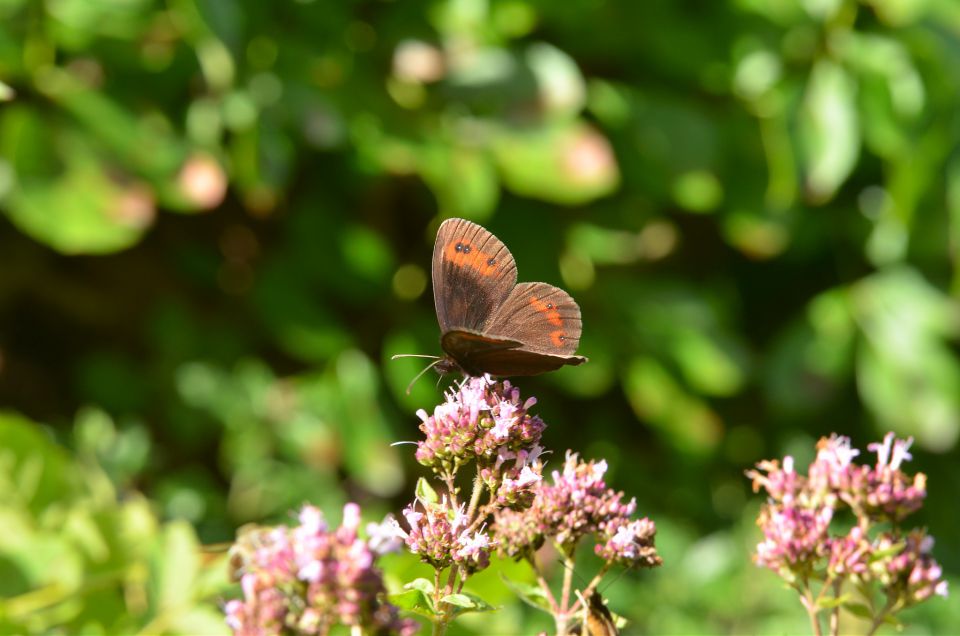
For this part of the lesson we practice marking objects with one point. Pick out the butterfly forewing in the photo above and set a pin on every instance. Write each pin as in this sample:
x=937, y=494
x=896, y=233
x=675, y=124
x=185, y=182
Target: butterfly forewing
x=473, y=273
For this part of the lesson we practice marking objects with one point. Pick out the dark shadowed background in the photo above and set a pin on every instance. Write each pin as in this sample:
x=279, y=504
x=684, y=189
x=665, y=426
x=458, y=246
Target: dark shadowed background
x=216, y=223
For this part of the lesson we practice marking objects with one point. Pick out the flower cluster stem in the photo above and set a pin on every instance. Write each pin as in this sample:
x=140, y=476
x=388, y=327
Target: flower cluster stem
x=835, y=613
x=806, y=597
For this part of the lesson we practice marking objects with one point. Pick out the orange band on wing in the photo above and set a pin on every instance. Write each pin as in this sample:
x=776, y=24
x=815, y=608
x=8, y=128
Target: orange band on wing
x=557, y=337
x=462, y=254
x=553, y=316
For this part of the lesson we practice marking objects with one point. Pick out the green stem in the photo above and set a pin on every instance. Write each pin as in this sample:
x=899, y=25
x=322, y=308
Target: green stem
x=439, y=617
x=563, y=615
x=542, y=582
x=451, y=489
x=806, y=597
x=889, y=608
x=475, y=496
x=835, y=613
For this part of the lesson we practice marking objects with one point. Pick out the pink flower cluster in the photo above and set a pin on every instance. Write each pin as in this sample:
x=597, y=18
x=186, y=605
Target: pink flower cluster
x=441, y=536
x=576, y=504
x=912, y=573
x=481, y=420
x=797, y=520
x=307, y=579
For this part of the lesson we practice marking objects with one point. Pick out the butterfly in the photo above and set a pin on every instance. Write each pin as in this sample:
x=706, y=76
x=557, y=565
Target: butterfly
x=597, y=619
x=488, y=322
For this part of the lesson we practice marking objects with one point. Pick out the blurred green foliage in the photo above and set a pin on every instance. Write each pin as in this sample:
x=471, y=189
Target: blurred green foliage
x=75, y=559
x=216, y=228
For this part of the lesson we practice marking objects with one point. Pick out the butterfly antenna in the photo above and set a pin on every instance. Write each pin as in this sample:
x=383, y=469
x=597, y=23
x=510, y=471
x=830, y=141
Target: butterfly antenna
x=609, y=584
x=413, y=355
x=425, y=369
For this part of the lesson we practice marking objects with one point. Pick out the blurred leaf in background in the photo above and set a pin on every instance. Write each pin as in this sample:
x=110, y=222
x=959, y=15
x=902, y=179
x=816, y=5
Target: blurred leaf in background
x=76, y=558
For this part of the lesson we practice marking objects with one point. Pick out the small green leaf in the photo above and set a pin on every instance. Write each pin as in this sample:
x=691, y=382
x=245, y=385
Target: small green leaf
x=858, y=609
x=421, y=585
x=414, y=601
x=532, y=595
x=418, y=598
x=833, y=601
x=890, y=619
x=889, y=551
x=426, y=493
x=460, y=600
x=466, y=602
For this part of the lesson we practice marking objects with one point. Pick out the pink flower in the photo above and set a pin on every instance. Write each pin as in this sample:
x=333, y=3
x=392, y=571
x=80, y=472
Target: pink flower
x=308, y=579
x=796, y=522
x=849, y=554
x=781, y=483
x=792, y=536
x=891, y=452
x=440, y=536
x=630, y=543
x=479, y=420
x=577, y=503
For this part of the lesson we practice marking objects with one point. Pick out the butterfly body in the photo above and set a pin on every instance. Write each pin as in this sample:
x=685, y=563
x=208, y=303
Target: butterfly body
x=488, y=322
x=597, y=619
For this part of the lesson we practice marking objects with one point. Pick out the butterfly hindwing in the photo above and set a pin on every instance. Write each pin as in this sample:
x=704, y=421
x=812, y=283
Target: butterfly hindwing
x=468, y=347
x=542, y=317
x=514, y=362
x=473, y=273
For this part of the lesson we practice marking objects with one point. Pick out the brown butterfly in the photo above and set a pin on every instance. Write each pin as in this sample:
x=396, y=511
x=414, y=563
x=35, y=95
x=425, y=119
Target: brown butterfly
x=489, y=323
x=597, y=619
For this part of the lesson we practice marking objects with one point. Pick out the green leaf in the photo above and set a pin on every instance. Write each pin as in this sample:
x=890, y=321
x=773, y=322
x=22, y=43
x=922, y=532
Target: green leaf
x=417, y=598
x=889, y=551
x=466, y=602
x=531, y=594
x=829, y=602
x=890, y=619
x=175, y=564
x=561, y=87
x=421, y=585
x=200, y=620
x=829, y=129
x=464, y=180
x=84, y=212
x=414, y=601
x=656, y=396
x=857, y=609
x=907, y=371
x=569, y=164
x=460, y=600
x=426, y=493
